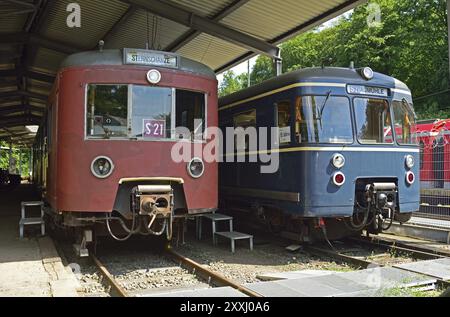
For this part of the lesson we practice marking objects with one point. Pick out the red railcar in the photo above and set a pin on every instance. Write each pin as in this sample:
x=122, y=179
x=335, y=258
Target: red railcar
x=103, y=155
x=434, y=139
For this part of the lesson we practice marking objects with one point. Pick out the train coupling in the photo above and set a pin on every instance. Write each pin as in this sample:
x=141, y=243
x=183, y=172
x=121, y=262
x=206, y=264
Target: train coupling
x=154, y=200
x=382, y=195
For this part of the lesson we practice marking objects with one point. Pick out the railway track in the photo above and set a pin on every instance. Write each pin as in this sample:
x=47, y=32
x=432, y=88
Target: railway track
x=208, y=276
x=390, y=246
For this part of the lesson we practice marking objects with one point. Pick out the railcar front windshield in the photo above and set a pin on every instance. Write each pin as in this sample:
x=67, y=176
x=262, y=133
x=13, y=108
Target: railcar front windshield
x=323, y=119
x=373, y=121
x=405, y=122
x=144, y=113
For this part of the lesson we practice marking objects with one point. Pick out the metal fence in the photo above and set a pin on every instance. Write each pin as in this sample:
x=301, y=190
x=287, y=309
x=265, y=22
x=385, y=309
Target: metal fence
x=435, y=176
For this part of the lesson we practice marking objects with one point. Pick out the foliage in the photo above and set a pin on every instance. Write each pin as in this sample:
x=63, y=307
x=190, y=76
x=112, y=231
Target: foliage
x=4, y=158
x=409, y=44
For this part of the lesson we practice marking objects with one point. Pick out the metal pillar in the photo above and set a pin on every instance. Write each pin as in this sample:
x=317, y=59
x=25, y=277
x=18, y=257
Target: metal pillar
x=10, y=158
x=448, y=29
x=248, y=72
x=20, y=162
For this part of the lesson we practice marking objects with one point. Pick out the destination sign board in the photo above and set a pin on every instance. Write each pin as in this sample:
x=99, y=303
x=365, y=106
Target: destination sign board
x=366, y=90
x=150, y=58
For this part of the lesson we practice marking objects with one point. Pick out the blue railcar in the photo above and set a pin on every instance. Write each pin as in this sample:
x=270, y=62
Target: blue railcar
x=348, y=156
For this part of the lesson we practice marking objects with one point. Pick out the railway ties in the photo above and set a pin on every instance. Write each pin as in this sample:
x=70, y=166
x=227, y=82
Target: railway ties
x=221, y=286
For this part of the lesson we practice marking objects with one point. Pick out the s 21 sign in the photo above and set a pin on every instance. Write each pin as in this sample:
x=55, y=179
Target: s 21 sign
x=154, y=128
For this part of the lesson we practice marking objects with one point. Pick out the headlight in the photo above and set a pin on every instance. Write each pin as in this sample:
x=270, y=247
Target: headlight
x=338, y=160
x=102, y=167
x=196, y=168
x=367, y=73
x=409, y=161
x=154, y=76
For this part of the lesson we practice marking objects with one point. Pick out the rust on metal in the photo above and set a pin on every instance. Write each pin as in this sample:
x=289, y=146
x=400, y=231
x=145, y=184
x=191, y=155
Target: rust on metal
x=215, y=278
x=116, y=286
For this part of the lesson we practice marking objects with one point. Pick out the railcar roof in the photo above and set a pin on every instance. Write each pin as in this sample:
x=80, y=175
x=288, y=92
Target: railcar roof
x=115, y=57
x=314, y=74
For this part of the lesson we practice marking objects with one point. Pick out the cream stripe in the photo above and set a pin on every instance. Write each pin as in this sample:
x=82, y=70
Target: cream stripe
x=402, y=91
x=309, y=84
x=329, y=149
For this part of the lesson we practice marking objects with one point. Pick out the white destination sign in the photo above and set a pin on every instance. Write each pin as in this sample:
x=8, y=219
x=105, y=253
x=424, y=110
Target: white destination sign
x=150, y=58
x=366, y=90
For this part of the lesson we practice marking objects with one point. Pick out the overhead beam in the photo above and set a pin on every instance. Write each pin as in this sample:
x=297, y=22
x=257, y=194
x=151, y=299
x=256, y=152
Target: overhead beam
x=318, y=20
x=19, y=108
x=38, y=40
x=29, y=94
x=27, y=73
x=190, y=35
x=194, y=21
x=22, y=3
x=21, y=120
x=119, y=24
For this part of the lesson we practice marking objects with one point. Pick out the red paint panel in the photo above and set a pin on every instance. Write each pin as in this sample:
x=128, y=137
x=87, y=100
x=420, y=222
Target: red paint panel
x=76, y=188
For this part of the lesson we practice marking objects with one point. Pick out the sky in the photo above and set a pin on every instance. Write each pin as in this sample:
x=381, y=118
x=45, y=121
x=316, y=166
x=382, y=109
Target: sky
x=242, y=68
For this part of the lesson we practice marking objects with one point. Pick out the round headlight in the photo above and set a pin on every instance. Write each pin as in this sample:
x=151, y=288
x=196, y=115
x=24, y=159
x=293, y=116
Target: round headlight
x=409, y=161
x=338, y=160
x=102, y=167
x=367, y=73
x=196, y=168
x=154, y=76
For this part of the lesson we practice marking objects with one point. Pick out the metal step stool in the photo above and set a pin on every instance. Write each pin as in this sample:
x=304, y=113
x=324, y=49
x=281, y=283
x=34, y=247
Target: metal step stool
x=214, y=218
x=233, y=236
x=24, y=221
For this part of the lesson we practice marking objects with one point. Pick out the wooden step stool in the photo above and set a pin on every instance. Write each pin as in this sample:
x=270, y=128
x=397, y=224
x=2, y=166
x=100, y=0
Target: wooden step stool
x=24, y=221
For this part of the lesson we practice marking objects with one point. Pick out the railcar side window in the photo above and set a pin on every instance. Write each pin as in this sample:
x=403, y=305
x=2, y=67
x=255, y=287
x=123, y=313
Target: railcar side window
x=319, y=119
x=190, y=112
x=244, y=120
x=283, y=121
x=373, y=121
x=107, y=111
x=151, y=113
x=405, y=123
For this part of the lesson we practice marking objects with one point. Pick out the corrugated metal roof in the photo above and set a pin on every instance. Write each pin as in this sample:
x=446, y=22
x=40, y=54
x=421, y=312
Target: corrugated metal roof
x=122, y=25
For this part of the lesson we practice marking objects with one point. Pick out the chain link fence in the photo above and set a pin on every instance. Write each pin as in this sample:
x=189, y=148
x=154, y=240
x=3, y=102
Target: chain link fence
x=434, y=140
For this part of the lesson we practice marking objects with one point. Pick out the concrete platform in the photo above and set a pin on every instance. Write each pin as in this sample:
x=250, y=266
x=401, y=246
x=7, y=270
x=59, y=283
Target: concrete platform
x=204, y=292
x=30, y=266
x=439, y=268
x=369, y=282
x=421, y=230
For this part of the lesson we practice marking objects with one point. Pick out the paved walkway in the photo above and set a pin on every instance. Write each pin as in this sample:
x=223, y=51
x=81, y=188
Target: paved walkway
x=30, y=266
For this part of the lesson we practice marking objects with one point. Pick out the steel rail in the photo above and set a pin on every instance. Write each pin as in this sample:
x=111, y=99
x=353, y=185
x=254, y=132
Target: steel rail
x=360, y=263
x=354, y=261
x=393, y=246
x=208, y=275
x=110, y=279
x=376, y=240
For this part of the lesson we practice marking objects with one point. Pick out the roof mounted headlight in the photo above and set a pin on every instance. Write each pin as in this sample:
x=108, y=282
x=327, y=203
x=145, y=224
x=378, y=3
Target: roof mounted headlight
x=102, y=167
x=338, y=160
x=154, y=76
x=409, y=161
x=367, y=73
x=196, y=167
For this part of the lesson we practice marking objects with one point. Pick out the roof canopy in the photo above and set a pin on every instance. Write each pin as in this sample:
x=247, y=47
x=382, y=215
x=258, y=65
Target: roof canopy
x=35, y=38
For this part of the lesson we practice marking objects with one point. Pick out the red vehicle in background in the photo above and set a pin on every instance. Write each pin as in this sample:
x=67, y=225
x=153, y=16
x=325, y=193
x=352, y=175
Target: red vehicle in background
x=434, y=138
x=103, y=155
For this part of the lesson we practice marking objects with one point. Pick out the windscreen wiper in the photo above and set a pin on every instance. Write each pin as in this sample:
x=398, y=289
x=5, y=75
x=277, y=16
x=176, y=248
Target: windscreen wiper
x=323, y=106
